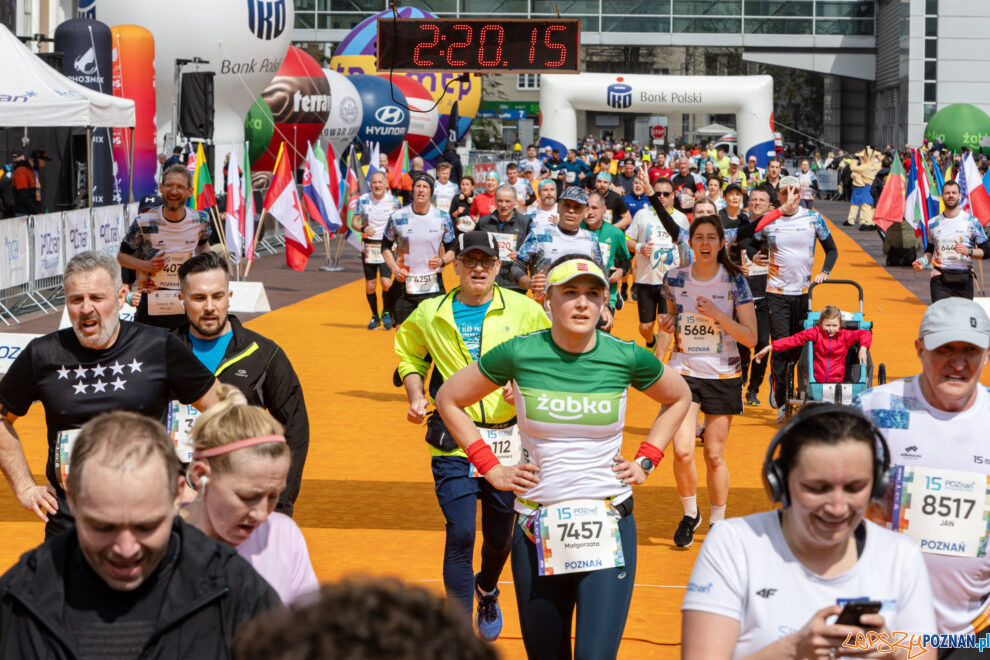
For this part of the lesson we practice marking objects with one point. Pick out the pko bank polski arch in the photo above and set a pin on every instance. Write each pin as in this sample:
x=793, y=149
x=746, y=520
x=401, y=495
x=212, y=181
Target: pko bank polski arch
x=749, y=98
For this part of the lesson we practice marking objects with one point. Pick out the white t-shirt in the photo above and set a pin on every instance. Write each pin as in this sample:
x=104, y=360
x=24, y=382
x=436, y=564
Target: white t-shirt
x=546, y=244
x=922, y=436
x=376, y=212
x=416, y=237
x=541, y=217
x=647, y=228
x=791, y=243
x=523, y=188
x=443, y=193
x=702, y=348
x=943, y=233
x=277, y=550
x=747, y=572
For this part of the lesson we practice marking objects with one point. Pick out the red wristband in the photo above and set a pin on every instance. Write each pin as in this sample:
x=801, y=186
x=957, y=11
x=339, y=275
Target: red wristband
x=651, y=451
x=481, y=456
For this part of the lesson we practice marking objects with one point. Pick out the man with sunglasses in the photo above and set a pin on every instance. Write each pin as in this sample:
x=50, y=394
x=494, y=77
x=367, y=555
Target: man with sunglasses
x=477, y=315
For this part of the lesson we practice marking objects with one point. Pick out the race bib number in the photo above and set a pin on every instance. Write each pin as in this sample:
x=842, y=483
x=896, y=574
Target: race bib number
x=506, y=244
x=373, y=253
x=506, y=445
x=570, y=176
x=168, y=277
x=465, y=223
x=443, y=205
x=686, y=197
x=419, y=284
x=947, y=251
x=753, y=269
x=699, y=335
x=944, y=511
x=180, y=422
x=64, y=440
x=606, y=252
x=163, y=302
x=577, y=536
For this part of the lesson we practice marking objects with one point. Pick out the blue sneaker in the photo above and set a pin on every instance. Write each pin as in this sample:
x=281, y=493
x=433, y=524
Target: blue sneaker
x=374, y=323
x=489, y=617
x=387, y=321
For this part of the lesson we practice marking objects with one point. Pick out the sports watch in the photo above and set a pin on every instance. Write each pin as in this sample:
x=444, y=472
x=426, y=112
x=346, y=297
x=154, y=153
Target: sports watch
x=645, y=463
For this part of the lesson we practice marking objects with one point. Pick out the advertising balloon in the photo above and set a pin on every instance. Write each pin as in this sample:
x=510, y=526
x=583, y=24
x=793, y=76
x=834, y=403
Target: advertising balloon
x=299, y=99
x=383, y=120
x=87, y=54
x=356, y=53
x=242, y=41
x=423, y=117
x=346, y=113
x=959, y=125
x=134, y=78
x=259, y=127
x=467, y=95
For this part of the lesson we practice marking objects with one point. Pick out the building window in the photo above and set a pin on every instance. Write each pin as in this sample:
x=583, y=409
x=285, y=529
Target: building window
x=528, y=81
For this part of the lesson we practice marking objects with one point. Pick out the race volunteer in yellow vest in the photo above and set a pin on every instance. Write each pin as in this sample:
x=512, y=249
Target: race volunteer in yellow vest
x=160, y=241
x=455, y=330
x=254, y=364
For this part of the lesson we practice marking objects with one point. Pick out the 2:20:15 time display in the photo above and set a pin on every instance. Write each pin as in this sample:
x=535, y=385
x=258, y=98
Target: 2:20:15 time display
x=511, y=45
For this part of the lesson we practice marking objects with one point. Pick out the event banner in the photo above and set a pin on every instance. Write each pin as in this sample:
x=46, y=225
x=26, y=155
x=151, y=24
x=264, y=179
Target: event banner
x=109, y=225
x=76, y=236
x=48, y=260
x=85, y=45
x=134, y=79
x=16, y=256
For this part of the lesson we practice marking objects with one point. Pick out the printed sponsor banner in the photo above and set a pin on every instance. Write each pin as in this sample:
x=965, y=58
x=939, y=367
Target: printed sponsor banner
x=48, y=255
x=15, y=257
x=109, y=225
x=76, y=236
x=11, y=345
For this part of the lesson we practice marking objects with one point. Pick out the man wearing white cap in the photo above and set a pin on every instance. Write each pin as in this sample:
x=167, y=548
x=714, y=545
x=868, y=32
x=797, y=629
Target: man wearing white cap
x=935, y=424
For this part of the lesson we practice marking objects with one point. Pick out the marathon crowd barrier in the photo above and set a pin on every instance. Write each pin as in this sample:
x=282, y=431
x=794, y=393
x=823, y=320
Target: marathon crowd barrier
x=828, y=183
x=11, y=345
x=36, y=249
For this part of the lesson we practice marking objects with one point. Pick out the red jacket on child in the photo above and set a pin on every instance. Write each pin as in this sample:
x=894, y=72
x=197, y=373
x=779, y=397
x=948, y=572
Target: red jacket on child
x=829, y=352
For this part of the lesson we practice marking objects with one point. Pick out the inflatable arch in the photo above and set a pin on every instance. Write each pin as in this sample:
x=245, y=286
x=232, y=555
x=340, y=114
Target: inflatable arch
x=750, y=98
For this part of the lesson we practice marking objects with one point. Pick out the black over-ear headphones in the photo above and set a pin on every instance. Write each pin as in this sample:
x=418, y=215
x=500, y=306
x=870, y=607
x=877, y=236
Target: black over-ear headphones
x=774, y=479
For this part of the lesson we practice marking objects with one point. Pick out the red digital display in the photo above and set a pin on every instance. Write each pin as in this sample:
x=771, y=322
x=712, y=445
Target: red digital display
x=514, y=45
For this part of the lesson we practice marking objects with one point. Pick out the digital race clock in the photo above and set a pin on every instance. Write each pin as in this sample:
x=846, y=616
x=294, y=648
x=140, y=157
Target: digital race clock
x=510, y=45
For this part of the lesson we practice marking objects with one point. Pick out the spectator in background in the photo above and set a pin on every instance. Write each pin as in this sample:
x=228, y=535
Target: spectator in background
x=626, y=177
x=407, y=178
x=131, y=578
x=27, y=185
x=449, y=155
x=176, y=157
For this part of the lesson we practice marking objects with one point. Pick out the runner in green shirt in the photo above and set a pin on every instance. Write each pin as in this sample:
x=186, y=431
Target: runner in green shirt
x=574, y=543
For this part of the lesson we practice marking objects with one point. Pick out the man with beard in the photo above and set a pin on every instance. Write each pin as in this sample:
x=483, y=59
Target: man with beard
x=254, y=364
x=616, y=211
x=546, y=213
x=99, y=364
x=955, y=239
x=158, y=242
x=688, y=186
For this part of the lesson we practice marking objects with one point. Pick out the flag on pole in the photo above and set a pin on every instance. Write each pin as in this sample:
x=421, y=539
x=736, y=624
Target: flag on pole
x=202, y=184
x=934, y=191
x=283, y=203
x=247, y=216
x=235, y=207
x=316, y=192
x=890, y=206
x=916, y=208
x=373, y=165
x=976, y=191
x=399, y=167
x=333, y=175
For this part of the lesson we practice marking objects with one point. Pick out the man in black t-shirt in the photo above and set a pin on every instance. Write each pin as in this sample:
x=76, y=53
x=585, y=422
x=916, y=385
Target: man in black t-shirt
x=99, y=364
x=616, y=210
x=688, y=186
x=130, y=579
x=627, y=176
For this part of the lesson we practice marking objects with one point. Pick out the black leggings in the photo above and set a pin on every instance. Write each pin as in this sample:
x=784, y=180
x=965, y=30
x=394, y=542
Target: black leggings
x=787, y=314
x=546, y=603
x=753, y=372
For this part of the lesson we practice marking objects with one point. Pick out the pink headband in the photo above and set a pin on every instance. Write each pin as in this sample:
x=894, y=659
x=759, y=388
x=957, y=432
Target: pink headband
x=239, y=444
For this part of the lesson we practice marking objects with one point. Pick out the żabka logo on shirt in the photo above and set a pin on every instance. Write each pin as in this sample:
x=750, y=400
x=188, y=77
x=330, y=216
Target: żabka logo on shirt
x=594, y=408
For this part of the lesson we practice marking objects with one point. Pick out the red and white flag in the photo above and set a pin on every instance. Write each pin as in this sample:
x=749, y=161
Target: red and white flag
x=282, y=201
x=235, y=207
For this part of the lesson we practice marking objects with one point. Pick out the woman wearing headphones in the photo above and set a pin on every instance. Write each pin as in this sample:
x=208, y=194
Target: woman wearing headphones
x=769, y=584
x=240, y=462
x=574, y=542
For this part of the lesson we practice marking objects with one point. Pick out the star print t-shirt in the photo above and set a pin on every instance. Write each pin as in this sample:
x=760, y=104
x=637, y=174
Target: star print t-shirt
x=75, y=383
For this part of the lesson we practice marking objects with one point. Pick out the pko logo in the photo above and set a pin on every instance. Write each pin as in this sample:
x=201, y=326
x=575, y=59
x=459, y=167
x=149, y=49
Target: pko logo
x=390, y=115
x=266, y=18
x=619, y=95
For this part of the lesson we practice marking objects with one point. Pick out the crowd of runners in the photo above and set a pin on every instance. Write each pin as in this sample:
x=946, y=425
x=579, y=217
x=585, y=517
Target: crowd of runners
x=176, y=443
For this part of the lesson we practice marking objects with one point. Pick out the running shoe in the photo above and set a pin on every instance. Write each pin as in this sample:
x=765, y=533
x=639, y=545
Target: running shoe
x=867, y=227
x=387, y=321
x=652, y=345
x=684, y=536
x=781, y=415
x=489, y=616
x=374, y=323
x=751, y=399
x=619, y=302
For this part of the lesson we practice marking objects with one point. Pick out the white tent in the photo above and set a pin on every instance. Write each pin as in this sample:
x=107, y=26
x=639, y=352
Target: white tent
x=713, y=129
x=35, y=94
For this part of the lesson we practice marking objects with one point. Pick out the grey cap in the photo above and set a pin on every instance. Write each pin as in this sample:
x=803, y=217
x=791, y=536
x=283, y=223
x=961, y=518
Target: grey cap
x=955, y=319
x=790, y=181
x=575, y=194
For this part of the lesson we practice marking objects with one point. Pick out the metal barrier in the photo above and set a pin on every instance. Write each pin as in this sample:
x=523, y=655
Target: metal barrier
x=828, y=183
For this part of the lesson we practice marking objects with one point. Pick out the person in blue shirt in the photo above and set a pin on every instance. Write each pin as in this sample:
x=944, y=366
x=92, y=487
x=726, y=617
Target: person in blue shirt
x=575, y=169
x=638, y=200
